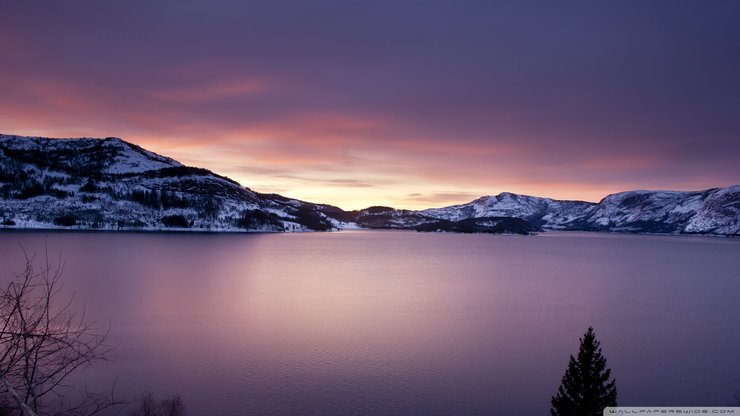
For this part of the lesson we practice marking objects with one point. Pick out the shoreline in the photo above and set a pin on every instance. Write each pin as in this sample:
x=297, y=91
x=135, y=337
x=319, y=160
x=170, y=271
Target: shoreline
x=184, y=231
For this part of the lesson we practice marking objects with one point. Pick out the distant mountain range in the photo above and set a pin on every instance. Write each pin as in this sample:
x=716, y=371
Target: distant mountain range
x=110, y=184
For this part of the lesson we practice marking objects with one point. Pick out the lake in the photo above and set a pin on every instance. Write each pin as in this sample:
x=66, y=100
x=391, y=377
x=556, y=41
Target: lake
x=401, y=323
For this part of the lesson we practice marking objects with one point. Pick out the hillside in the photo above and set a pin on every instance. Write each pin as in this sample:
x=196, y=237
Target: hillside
x=114, y=185
x=712, y=211
x=110, y=184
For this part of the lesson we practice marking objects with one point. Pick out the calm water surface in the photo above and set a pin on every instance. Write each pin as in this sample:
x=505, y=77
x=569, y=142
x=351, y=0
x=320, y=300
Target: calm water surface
x=401, y=323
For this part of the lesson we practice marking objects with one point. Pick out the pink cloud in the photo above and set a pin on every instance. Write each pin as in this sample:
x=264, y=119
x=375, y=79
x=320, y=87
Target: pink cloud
x=210, y=92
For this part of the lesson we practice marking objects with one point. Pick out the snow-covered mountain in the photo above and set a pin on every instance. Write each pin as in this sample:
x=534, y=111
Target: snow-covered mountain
x=713, y=211
x=115, y=185
x=112, y=184
x=545, y=212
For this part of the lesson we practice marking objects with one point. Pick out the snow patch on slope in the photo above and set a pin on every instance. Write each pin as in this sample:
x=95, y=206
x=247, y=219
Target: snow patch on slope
x=133, y=159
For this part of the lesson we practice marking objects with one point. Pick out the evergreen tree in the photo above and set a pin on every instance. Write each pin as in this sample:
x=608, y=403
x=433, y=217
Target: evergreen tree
x=587, y=387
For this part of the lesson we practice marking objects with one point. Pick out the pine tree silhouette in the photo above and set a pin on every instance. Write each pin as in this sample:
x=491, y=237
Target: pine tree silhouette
x=587, y=387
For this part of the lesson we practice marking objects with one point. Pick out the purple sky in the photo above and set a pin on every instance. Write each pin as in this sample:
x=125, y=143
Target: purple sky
x=403, y=103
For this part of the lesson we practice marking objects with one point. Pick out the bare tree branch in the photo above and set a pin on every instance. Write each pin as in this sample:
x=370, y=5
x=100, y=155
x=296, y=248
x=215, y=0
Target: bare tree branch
x=44, y=340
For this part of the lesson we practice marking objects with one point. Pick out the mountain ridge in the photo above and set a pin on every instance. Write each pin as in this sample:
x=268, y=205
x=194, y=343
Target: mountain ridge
x=111, y=184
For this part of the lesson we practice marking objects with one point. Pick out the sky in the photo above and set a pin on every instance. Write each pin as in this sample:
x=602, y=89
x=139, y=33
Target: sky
x=412, y=104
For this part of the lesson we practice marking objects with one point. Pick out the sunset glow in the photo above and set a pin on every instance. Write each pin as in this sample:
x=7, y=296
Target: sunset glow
x=407, y=104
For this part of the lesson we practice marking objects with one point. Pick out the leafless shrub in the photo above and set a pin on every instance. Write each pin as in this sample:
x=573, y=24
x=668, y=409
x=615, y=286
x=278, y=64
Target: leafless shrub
x=149, y=406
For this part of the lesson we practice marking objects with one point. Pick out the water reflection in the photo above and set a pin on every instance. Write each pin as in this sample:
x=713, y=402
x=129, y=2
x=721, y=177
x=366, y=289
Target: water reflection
x=401, y=322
